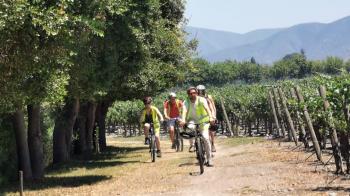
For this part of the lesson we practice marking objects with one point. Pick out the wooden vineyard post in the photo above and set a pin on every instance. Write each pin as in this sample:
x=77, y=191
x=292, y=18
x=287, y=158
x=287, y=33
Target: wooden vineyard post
x=309, y=124
x=279, y=113
x=274, y=114
x=299, y=121
x=21, y=183
x=289, y=119
x=334, y=137
x=226, y=117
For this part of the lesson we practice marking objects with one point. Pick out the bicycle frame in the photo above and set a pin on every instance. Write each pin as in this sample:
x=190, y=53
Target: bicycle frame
x=199, y=148
x=152, y=143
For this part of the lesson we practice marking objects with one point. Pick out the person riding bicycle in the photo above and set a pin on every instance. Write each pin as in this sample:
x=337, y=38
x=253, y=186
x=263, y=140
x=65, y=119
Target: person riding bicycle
x=150, y=114
x=196, y=109
x=172, y=110
x=211, y=104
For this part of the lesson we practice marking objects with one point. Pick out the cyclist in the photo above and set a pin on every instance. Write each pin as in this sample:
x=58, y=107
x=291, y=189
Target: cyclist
x=196, y=109
x=172, y=110
x=211, y=104
x=151, y=114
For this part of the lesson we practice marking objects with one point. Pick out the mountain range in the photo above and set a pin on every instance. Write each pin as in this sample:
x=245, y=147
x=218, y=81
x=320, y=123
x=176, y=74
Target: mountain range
x=318, y=40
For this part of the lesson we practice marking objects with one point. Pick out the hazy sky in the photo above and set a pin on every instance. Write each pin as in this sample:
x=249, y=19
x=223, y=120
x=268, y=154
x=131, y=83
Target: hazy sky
x=245, y=15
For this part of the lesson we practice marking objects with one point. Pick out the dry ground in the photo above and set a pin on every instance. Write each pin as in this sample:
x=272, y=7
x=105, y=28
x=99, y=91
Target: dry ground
x=243, y=166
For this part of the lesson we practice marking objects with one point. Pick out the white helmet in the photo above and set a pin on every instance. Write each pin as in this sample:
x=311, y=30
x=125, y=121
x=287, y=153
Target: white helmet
x=200, y=87
x=201, y=90
x=172, y=94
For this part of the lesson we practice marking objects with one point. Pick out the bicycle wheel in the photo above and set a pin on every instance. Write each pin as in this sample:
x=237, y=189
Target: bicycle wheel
x=177, y=140
x=200, y=154
x=181, y=144
x=153, y=148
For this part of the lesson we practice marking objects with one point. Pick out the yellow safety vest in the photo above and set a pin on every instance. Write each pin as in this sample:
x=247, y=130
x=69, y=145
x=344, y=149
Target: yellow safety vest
x=201, y=113
x=154, y=117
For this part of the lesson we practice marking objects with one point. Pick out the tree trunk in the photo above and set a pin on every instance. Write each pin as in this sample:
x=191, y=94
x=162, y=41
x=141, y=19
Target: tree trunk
x=309, y=124
x=22, y=144
x=90, y=122
x=62, y=134
x=35, y=142
x=82, y=128
x=101, y=114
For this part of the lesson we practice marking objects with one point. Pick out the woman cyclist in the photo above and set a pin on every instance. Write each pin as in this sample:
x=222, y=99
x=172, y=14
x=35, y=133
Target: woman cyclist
x=150, y=114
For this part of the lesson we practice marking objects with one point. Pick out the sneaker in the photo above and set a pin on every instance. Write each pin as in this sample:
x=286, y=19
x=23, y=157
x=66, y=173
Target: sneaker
x=159, y=153
x=173, y=146
x=146, y=141
x=191, y=149
x=213, y=149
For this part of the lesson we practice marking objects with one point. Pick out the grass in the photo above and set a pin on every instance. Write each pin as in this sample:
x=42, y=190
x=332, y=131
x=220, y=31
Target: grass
x=122, y=156
x=236, y=141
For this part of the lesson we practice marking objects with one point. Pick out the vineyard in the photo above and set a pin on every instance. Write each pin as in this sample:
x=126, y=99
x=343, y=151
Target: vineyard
x=313, y=113
x=73, y=74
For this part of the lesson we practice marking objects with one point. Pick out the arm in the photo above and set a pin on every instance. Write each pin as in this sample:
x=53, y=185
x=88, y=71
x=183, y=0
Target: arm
x=166, y=110
x=160, y=116
x=183, y=114
x=206, y=107
x=212, y=107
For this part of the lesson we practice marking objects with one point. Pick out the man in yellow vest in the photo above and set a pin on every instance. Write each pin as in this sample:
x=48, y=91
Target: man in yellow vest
x=172, y=110
x=151, y=115
x=196, y=109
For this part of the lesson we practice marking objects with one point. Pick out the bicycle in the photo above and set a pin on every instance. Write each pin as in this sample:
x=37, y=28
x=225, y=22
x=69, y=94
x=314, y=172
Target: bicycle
x=179, y=142
x=198, y=143
x=152, y=143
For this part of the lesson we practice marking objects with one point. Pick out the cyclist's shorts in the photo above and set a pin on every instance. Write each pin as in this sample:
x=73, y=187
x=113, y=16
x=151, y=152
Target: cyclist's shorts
x=171, y=122
x=156, y=130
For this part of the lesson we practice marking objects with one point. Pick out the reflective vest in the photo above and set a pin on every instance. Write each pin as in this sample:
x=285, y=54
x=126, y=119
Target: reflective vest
x=178, y=105
x=201, y=113
x=154, y=117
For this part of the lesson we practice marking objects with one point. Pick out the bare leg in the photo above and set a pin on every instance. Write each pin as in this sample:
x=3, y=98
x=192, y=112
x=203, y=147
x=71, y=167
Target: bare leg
x=212, y=138
x=171, y=131
x=146, y=129
x=158, y=142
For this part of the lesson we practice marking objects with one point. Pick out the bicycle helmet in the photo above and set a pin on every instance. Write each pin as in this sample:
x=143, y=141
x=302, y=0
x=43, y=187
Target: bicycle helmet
x=191, y=88
x=201, y=89
x=147, y=100
x=172, y=94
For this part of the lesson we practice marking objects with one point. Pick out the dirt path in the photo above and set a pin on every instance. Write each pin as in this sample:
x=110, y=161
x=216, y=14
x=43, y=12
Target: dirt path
x=266, y=168
x=257, y=168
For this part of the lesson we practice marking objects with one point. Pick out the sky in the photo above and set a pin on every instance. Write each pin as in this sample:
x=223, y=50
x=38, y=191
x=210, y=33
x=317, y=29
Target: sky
x=241, y=16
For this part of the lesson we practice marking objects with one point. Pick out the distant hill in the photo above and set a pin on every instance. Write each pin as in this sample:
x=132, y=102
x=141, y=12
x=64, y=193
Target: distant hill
x=211, y=41
x=318, y=40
